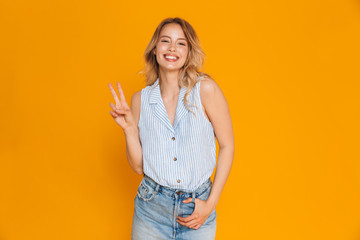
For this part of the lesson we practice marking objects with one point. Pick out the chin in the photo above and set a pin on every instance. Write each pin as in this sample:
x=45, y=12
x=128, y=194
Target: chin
x=175, y=68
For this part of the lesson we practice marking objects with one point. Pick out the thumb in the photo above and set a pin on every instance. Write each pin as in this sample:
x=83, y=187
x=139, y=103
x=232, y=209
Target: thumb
x=187, y=200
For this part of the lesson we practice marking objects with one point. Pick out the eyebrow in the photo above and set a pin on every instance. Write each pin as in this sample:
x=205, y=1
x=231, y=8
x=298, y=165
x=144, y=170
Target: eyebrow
x=169, y=37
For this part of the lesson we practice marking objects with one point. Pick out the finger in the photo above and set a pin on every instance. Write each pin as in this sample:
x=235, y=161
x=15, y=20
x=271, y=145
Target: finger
x=193, y=225
x=121, y=111
x=189, y=224
x=116, y=109
x=114, y=115
x=187, y=200
x=187, y=219
x=197, y=226
x=115, y=96
x=122, y=96
x=113, y=106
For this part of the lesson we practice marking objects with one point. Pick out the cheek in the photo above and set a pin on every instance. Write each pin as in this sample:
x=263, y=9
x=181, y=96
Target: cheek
x=161, y=48
x=184, y=52
x=159, y=51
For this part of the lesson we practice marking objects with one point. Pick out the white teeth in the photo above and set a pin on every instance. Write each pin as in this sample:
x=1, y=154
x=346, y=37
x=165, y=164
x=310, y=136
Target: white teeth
x=170, y=57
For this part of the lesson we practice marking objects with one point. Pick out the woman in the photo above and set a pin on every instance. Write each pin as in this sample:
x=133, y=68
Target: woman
x=170, y=134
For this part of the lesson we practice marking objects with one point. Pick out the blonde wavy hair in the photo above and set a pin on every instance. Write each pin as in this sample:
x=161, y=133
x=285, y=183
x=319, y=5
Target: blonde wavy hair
x=193, y=64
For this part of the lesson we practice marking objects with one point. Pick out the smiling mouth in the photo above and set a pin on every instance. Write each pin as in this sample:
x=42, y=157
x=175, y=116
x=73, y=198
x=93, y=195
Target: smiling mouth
x=171, y=58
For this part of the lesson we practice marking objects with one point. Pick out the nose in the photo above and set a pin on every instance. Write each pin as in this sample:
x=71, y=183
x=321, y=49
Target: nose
x=172, y=47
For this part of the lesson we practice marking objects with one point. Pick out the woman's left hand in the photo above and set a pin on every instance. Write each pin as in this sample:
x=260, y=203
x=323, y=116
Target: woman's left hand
x=201, y=212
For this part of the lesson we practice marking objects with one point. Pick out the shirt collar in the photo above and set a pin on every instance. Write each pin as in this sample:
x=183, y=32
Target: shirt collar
x=155, y=94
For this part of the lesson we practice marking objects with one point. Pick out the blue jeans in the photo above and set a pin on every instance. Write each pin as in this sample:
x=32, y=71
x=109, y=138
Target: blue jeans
x=157, y=207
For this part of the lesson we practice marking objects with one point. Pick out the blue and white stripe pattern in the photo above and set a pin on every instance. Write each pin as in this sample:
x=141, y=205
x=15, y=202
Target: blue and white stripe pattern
x=182, y=156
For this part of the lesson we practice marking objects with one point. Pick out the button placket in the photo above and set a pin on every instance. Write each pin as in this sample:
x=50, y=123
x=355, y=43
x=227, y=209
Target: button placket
x=175, y=158
x=175, y=153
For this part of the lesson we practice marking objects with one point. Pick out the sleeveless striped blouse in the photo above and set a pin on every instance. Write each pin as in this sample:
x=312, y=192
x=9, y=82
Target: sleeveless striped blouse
x=182, y=156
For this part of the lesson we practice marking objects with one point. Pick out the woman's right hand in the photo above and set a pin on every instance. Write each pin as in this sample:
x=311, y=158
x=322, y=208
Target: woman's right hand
x=121, y=111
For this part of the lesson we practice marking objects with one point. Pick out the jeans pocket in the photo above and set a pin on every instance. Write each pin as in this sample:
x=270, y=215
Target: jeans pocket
x=205, y=194
x=146, y=192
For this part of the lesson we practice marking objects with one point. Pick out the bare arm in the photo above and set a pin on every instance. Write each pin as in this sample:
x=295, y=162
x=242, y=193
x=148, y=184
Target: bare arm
x=128, y=120
x=218, y=112
x=133, y=144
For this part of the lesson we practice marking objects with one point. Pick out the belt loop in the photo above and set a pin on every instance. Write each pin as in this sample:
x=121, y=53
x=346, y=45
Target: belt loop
x=193, y=197
x=157, y=187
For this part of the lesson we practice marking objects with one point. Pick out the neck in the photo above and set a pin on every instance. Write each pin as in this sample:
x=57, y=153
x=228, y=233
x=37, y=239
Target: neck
x=169, y=84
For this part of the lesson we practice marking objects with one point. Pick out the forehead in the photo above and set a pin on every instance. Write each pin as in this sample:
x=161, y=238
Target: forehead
x=172, y=30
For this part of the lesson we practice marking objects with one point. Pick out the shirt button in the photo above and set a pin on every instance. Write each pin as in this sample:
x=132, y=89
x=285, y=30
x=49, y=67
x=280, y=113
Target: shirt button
x=173, y=138
x=175, y=158
x=178, y=180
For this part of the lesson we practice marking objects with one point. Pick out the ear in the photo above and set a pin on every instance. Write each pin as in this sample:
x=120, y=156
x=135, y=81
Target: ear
x=154, y=51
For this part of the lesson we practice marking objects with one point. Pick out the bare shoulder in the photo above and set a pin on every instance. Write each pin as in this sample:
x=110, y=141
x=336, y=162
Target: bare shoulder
x=210, y=93
x=217, y=110
x=208, y=88
x=136, y=98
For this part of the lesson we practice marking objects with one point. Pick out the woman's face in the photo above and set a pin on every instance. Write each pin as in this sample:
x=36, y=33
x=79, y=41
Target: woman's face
x=172, y=44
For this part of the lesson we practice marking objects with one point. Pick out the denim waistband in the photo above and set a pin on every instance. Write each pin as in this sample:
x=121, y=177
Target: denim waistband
x=177, y=193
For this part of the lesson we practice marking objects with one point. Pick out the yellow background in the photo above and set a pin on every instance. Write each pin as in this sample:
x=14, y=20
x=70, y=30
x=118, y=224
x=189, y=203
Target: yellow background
x=290, y=73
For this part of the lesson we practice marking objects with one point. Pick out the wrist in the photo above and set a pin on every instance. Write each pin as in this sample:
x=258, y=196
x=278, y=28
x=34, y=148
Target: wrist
x=211, y=203
x=131, y=131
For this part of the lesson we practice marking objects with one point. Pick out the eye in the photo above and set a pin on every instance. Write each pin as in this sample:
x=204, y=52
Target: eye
x=164, y=41
x=182, y=44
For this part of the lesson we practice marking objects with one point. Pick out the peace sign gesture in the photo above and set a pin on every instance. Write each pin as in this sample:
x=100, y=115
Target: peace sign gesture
x=122, y=113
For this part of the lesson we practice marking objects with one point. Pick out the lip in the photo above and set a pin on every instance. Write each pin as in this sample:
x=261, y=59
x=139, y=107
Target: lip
x=169, y=54
x=171, y=60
